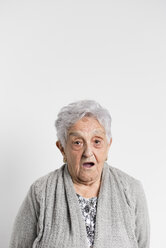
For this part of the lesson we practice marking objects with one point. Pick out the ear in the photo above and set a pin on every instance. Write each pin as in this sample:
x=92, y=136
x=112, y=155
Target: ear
x=110, y=142
x=60, y=147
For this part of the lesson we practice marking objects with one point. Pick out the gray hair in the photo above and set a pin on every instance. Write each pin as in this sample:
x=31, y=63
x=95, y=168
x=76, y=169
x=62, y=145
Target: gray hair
x=73, y=112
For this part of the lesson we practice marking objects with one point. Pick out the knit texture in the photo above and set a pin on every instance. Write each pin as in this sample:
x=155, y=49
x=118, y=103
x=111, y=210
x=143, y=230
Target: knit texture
x=50, y=215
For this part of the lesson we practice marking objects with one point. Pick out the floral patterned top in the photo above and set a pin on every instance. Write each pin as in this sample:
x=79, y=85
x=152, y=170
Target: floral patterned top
x=89, y=209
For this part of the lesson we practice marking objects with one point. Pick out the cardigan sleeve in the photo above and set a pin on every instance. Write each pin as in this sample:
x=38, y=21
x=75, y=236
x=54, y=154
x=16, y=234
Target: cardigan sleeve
x=25, y=225
x=142, y=224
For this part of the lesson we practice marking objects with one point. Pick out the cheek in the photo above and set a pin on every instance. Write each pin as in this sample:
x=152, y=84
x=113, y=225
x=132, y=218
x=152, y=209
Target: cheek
x=74, y=156
x=102, y=154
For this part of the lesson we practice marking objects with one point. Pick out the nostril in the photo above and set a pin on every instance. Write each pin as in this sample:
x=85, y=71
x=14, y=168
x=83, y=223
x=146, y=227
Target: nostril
x=87, y=154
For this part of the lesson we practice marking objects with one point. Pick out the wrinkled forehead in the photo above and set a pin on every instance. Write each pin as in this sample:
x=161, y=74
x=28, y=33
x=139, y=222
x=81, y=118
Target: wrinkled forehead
x=86, y=126
x=80, y=133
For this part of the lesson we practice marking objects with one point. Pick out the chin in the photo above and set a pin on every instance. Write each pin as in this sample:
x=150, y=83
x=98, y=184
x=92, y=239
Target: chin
x=88, y=178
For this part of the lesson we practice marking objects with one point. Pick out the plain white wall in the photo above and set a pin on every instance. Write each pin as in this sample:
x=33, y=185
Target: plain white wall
x=55, y=52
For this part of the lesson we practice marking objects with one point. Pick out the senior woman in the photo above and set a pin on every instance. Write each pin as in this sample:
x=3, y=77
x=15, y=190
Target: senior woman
x=85, y=203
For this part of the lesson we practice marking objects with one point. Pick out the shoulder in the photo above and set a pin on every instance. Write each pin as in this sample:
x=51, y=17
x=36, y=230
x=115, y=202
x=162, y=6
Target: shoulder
x=123, y=176
x=131, y=186
x=40, y=185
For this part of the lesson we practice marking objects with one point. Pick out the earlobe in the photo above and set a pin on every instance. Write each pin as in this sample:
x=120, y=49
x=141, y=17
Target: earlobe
x=64, y=159
x=60, y=147
x=110, y=142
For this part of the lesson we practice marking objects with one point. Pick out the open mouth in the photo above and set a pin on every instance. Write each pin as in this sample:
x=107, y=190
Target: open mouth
x=88, y=164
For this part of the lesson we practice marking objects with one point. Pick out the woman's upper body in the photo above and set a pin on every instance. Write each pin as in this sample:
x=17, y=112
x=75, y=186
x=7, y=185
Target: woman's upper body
x=52, y=214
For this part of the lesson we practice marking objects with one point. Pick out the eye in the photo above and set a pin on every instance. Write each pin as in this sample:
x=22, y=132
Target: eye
x=77, y=142
x=97, y=142
x=77, y=145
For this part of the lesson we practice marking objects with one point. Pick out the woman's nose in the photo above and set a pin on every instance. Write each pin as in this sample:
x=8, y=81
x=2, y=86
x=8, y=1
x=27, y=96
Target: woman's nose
x=88, y=151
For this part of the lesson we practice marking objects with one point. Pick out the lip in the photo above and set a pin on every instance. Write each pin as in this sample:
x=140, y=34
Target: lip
x=88, y=165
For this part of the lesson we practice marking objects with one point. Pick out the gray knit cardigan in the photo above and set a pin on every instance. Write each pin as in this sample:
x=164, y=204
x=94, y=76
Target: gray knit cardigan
x=50, y=216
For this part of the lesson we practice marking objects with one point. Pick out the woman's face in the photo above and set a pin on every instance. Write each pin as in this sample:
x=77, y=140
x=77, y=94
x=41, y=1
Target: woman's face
x=86, y=150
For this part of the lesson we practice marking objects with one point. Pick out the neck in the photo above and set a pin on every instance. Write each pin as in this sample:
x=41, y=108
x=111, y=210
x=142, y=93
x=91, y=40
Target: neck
x=87, y=190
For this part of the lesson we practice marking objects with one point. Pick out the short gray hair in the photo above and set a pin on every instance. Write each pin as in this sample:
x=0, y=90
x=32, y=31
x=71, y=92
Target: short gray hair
x=73, y=112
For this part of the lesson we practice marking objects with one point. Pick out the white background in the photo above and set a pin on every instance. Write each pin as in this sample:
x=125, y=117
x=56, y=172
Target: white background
x=56, y=52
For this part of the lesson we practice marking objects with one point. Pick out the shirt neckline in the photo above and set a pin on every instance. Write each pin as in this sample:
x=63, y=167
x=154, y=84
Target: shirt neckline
x=87, y=199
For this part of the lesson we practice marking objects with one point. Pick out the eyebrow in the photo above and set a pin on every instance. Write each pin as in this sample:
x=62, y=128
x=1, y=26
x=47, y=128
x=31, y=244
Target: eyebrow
x=80, y=134
x=74, y=134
